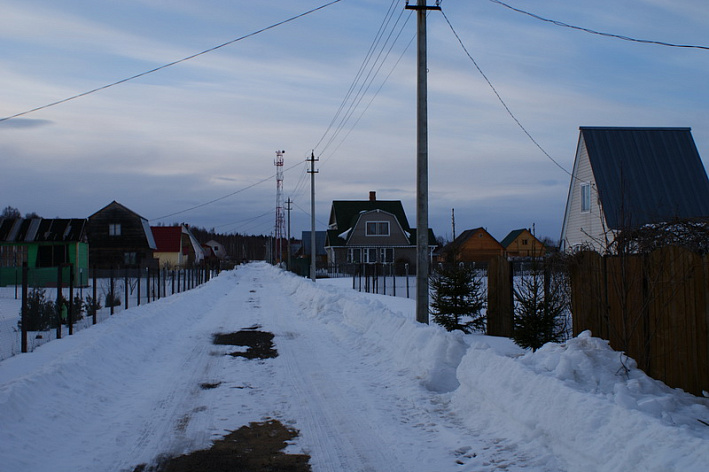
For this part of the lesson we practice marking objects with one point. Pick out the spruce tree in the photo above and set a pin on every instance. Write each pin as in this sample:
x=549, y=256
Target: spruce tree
x=540, y=313
x=457, y=299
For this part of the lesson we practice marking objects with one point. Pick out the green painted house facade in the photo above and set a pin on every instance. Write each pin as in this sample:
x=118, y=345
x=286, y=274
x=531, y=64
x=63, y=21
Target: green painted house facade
x=45, y=245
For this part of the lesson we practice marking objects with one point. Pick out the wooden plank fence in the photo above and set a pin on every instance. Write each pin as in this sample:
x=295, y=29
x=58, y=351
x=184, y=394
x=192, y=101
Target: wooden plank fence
x=653, y=307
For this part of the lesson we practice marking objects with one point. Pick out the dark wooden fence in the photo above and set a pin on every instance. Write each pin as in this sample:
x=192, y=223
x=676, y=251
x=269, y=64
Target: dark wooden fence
x=654, y=307
x=500, y=305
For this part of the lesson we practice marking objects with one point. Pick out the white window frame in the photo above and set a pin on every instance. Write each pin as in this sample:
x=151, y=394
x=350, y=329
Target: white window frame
x=386, y=255
x=369, y=255
x=585, y=197
x=354, y=255
x=377, y=228
x=114, y=229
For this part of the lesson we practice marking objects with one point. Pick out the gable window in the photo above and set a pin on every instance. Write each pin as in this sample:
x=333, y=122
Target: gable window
x=114, y=229
x=525, y=242
x=586, y=197
x=377, y=228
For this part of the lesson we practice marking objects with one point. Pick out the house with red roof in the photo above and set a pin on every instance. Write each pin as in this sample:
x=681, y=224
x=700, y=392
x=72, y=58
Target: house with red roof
x=176, y=247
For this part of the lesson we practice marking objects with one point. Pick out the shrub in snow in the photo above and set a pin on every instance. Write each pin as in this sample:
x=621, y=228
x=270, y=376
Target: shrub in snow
x=540, y=312
x=112, y=300
x=41, y=313
x=457, y=298
x=91, y=306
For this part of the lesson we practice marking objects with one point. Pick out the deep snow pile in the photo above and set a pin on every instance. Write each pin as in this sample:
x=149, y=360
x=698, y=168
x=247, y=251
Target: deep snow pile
x=110, y=397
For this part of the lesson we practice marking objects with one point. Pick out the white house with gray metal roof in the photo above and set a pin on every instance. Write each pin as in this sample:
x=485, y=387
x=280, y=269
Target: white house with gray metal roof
x=625, y=178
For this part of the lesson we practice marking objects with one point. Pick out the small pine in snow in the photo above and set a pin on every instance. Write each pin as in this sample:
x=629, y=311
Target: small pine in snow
x=457, y=298
x=540, y=313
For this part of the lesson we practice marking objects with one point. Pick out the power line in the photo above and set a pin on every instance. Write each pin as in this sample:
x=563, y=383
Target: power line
x=224, y=196
x=165, y=66
x=599, y=33
x=509, y=112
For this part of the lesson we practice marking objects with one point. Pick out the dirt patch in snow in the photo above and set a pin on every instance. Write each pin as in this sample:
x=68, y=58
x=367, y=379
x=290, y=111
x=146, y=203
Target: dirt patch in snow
x=256, y=447
x=259, y=343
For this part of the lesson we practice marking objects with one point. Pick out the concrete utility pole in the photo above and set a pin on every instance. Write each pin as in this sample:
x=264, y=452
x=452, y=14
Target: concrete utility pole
x=422, y=166
x=289, y=202
x=312, y=173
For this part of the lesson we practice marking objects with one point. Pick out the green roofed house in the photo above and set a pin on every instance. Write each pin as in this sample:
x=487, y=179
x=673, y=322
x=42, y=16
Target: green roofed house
x=371, y=231
x=45, y=245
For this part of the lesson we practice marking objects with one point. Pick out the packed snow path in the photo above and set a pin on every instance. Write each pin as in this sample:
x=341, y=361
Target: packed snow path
x=367, y=387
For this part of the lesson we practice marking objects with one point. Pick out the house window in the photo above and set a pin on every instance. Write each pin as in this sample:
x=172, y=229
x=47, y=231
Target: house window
x=387, y=255
x=377, y=228
x=51, y=256
x=354, y=255
x=525, y=242
x=114, y=229
x=586, y=197
x=370, y=255
x=130, y=258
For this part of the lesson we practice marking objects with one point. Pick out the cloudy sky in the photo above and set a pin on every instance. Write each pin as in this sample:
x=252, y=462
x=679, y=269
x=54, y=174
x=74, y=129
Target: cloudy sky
x=339, y=81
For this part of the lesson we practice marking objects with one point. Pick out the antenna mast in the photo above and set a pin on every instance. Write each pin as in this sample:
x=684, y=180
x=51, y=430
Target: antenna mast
x=279, y=229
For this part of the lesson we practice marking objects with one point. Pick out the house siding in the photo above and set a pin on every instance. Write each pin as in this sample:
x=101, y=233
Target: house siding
x=359, y=236
x=583, y=228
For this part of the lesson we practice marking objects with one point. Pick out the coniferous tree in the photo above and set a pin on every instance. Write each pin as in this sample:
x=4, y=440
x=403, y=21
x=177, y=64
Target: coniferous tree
x=457, y=299
x=540, y=313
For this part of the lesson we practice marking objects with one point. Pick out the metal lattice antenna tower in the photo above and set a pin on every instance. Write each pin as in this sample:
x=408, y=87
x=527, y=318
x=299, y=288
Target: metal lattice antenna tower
x=280, y=227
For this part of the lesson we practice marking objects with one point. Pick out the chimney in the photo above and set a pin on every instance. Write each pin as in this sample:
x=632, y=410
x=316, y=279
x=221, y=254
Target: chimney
x=372, y=196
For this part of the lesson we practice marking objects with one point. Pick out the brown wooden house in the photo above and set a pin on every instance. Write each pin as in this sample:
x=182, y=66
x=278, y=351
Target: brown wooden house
x=522, y=243
x=119, y=237
x=473, y=245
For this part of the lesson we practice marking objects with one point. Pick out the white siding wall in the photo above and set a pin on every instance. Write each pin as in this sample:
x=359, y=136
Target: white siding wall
x=583, y=228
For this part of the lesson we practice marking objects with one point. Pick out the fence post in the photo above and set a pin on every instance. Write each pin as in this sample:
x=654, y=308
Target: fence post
x=500, y=306
x=406, y=267
x=70, y=311
x=25, y=269
x=94, y=295
x=112, y=291
x=125, y=288
x=58, y=305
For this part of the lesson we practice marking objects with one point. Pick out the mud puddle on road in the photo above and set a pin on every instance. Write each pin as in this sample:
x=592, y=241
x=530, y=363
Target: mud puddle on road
x=259, y=343
x=256, y=447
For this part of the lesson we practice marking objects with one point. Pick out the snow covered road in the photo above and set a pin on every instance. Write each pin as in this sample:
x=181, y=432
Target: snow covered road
x=367, y=387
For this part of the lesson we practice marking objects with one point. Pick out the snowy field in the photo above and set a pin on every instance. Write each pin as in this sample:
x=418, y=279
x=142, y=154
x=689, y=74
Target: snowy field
x=368, y=388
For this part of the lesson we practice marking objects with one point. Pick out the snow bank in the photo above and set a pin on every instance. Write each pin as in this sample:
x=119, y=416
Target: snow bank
x=430, y=353
x=589, y=404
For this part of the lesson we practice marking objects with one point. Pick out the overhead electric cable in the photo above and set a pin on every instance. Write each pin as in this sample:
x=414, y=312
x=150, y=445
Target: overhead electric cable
x=223, y=197
x=599, y=33
x=509, y=112
x=362, y=66
x=165, y=66
x=369, y=79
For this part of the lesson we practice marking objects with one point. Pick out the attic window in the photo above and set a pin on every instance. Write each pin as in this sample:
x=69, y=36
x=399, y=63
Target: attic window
x=586, y=197
x=114, y=229
x=377, y=228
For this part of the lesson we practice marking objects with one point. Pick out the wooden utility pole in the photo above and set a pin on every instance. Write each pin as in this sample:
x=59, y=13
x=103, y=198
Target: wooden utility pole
x=422, y=249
